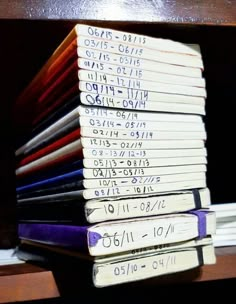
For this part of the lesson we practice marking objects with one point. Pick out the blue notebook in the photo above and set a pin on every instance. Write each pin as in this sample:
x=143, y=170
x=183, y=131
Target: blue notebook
x=50, y=173
x=52, y=181
x=60, y=188
x=119, y=236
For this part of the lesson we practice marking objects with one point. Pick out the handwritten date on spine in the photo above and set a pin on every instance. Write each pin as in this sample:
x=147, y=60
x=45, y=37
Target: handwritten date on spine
x=112, y=163
x=145, y=208
x=159, y=263
x=105, y=101
x=117, y=240
x=116, y=36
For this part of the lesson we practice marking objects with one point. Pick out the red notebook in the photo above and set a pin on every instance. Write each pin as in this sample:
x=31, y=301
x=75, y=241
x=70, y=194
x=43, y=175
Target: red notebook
x=61, y=156
x=60, y=73
x=50, y=148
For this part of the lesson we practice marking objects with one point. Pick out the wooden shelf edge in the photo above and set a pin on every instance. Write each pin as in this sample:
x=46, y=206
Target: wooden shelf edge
x=28, y=283
x=225, y=267
x=182, y=11
x=25, y=282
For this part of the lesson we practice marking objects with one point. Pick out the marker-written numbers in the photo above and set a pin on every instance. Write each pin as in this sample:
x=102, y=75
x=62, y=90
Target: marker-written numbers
x=109, y=173
x=104, y=89
x=124, y=237
x=141, y=208
x=116, y=144
x=110, y=68
x=116, y=163
x=110, y=34
x=107, y=153
x=112, y=79
x=108, y=57
x=159, y=263
x=105, y=192
x=111, y=123
x=107, y=101
x=120, y=48
x=107, y=133
x=106, y=113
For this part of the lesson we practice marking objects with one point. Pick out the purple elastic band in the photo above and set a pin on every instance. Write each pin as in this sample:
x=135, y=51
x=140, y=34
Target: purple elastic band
x=93, y=238
x=201, y=222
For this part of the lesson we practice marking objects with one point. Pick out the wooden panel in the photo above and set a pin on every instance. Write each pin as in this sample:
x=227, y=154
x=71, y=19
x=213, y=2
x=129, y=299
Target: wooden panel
x=224, y=269
x=29, y=282
x=173, y=11
x=26, y=282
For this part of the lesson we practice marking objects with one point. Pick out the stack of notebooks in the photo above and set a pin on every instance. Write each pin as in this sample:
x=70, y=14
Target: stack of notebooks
x=225, y=224
x=111, y=158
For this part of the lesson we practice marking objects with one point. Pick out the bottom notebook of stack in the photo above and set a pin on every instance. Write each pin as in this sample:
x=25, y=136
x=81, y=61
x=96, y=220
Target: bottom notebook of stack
x=129, y=266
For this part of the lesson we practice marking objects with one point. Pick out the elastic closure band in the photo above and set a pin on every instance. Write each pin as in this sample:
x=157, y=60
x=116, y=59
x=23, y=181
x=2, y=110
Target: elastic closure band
x=197, y=198
x=201, y=215
x=200, y=255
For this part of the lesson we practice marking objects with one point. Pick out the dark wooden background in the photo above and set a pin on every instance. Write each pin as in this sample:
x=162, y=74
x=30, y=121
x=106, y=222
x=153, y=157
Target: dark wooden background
x=30, y=30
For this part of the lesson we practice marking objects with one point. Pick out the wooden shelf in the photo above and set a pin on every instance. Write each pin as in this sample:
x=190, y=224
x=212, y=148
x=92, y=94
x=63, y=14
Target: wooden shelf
x=25, y=282
x=225, y=267
x=33, y=26
x=219, y=12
